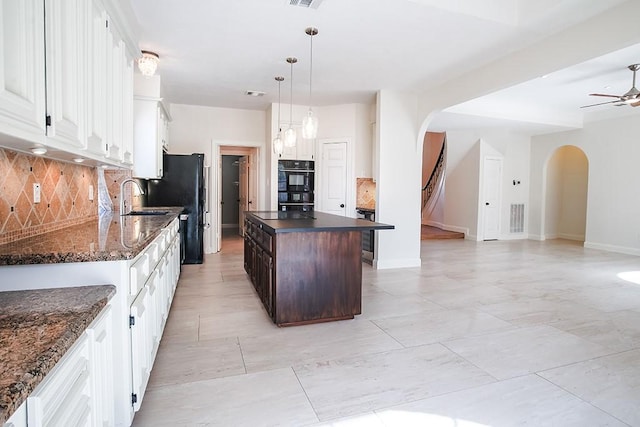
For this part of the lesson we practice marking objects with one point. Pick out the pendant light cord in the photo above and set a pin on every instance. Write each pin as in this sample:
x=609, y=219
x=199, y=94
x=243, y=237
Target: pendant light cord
x=291, y=97
x=310, y=70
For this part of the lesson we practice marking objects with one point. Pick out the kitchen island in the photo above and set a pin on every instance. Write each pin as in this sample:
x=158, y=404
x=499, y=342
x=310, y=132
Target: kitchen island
x=306, y=266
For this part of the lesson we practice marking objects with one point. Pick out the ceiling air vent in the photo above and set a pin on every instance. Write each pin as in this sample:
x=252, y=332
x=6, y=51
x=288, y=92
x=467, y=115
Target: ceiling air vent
x=313, y=4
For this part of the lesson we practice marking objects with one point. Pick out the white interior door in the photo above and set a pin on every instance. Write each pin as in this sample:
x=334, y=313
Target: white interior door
x=492, y=176
x=333, y=186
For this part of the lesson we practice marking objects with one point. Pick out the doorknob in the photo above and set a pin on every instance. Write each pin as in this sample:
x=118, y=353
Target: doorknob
x=250, y=202
x=342, y=205
x=486, y=203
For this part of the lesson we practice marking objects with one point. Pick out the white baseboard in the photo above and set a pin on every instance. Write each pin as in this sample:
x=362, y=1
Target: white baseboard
x=537, y=237
x=612, y=248
x=515, y=236
x=577, y=237
x=396, y=263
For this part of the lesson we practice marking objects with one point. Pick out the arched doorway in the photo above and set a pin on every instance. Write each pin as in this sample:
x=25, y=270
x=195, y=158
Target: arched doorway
x=565, y=215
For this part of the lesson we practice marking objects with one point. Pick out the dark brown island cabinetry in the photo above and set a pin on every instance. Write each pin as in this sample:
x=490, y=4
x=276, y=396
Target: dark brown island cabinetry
x=306, y=267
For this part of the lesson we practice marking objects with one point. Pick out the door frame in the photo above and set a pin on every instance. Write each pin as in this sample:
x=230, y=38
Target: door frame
x=218, y=149
x=350, y=198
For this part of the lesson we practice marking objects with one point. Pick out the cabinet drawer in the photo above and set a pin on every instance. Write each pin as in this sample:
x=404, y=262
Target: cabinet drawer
x=139, y=273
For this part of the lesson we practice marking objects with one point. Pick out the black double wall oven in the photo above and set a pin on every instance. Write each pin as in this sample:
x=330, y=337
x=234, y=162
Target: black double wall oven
x=295, y=185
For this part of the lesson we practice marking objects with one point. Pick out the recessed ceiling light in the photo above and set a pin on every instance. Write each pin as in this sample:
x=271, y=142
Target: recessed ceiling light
x=38, y=150
x=78, y=160
x=545, y=76
x=607, y=87
x=254, y=93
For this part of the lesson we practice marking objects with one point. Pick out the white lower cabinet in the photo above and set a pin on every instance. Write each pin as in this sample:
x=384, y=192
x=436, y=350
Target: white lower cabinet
x=71, y=394
x=102, y=378
x=150, y=307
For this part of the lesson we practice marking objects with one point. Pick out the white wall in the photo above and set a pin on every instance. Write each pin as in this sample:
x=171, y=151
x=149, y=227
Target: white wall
x=198, y=129
x=613, y=202
x=347, y=122
x=465, y=151
x=398, y=184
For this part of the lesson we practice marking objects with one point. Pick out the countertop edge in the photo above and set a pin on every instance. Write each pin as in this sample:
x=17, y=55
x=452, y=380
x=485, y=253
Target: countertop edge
x=18, y=392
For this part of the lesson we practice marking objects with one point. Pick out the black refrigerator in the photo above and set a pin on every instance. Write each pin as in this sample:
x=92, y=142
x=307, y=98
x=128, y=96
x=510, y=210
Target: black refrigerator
x=182, y=184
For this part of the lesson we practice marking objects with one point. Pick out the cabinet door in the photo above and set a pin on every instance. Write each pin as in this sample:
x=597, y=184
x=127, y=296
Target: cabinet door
x=114, y=95
x=97, y=78
x=127, y=109
x=65, y=64
x=100, y=335
x=305, y=149
x=267, y=282
x=140, y=351
x=22, y=97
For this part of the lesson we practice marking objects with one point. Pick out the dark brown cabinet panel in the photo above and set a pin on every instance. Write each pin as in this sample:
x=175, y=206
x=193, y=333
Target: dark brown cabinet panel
x=305, y=277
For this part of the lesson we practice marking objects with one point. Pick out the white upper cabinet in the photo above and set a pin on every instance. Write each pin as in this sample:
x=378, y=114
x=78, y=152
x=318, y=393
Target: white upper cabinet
x=66, y=78
x=303, y=150
x=65, y=72
x=22, y=101
x=97, y=79
x=150, y=137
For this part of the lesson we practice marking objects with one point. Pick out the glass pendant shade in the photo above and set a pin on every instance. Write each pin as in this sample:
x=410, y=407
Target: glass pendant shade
x=310, y=126
x=148, y=63
x=290, y=137
x=278, y=144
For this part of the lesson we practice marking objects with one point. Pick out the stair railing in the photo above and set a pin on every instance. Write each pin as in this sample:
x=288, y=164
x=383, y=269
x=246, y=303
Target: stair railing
x=427, y=190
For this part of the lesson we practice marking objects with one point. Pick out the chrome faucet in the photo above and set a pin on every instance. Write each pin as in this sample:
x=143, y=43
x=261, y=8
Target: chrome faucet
x=122, y=204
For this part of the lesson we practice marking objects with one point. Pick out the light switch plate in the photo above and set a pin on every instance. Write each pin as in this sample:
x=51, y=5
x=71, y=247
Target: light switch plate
x=91, y=192
x=36, y=193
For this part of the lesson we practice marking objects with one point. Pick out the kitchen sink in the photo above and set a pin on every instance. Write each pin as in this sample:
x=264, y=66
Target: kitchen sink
x=147, y=213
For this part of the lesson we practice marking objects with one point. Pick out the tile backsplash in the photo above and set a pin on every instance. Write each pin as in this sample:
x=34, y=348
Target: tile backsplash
x=365, y=193
x=64, y=200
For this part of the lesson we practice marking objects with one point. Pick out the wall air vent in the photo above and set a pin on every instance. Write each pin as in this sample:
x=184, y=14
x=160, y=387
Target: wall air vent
x=309, y=4
x=516, y=219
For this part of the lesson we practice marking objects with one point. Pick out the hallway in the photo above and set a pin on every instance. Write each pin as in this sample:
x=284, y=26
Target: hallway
x=498, y=333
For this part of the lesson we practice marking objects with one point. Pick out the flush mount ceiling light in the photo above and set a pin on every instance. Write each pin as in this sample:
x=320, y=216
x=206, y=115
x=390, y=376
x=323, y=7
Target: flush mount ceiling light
x=38, y=150
x=148, y=63
x=278, y=144
x=290, y=134
x=78, y=160
x=310, y=122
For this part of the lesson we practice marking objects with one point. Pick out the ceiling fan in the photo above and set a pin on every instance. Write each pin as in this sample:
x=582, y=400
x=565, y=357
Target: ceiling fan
x=632, y=97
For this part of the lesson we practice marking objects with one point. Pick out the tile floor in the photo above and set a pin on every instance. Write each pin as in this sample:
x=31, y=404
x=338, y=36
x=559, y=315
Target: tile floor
x=493, y=334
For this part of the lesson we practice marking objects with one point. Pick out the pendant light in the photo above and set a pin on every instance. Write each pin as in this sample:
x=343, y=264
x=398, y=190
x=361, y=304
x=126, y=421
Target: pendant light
x=278, y=144
x=290, y=134
x=310, y=122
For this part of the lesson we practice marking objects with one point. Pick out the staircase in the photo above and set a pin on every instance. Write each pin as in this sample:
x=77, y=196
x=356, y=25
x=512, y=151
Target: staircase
x=430, y=194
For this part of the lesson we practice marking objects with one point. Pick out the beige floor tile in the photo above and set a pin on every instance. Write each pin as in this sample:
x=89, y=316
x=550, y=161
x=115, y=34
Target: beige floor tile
x=272, y=398
x=179, y=363
x=444, y=325
x=355, y=385
x=610, y=383
x=522, y=351
x=523, y=401
x=319, y=343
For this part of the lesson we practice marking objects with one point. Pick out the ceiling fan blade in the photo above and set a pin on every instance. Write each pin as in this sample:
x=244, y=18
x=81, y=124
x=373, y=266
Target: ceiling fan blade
x=600, y=103
x=604, y=94
x=635, y=104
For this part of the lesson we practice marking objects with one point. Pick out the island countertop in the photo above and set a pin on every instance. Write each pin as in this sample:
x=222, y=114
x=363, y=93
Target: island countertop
x=109, y=237
x=37, y=327
x=295, y=221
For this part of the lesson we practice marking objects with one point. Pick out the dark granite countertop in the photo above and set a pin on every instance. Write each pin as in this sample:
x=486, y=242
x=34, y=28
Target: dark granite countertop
x=37, y=328
x=107, y=238
x=293, y=221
